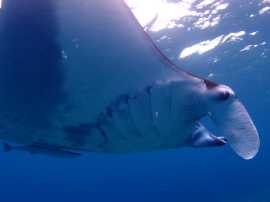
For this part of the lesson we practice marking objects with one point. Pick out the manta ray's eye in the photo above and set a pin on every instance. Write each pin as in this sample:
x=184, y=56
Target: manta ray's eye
x=219, y=92
x=224, y=95
x=224, y=92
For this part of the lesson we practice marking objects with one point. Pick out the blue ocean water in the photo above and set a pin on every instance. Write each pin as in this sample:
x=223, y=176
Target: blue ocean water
x=227, y=41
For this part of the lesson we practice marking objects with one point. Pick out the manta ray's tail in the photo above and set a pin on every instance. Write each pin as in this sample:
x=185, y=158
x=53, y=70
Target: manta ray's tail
x=236, y=125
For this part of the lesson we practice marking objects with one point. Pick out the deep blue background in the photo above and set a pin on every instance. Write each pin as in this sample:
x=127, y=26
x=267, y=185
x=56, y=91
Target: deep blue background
x=212, y=175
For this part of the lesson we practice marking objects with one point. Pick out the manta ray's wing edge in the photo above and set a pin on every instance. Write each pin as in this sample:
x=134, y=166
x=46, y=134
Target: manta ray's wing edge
x=162, y=57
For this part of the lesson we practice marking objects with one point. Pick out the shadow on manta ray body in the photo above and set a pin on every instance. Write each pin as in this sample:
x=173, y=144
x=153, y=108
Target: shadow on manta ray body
x=89, y=78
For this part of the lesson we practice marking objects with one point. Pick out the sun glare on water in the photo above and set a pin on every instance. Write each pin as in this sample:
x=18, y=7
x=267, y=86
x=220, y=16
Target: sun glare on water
x=186, y=15
x=163, y=12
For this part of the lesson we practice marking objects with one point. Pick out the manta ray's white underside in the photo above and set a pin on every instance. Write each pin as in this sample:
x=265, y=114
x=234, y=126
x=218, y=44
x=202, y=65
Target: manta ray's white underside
x=89, y=78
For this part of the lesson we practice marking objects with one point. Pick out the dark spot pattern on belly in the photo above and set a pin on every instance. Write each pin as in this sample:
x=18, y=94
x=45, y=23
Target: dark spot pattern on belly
x=77, y=134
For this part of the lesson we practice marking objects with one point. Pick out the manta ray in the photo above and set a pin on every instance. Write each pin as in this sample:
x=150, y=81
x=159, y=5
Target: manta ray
x=84, y=76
